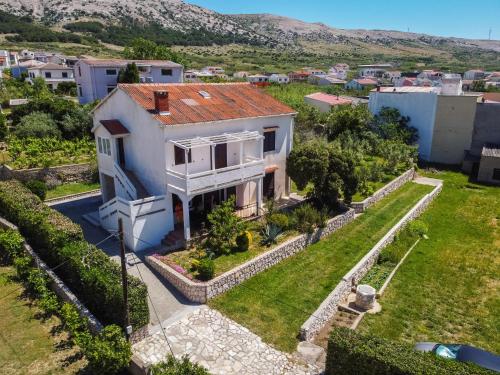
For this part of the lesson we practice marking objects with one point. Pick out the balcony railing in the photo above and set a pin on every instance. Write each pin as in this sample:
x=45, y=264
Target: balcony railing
x=198, y=183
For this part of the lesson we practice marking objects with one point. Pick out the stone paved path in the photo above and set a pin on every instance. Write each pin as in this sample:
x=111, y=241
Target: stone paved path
x=220, y=345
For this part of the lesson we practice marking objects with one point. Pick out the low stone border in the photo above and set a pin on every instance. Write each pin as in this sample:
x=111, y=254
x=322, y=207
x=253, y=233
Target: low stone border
x=395, y=184
x=329, y=306
x=51, y=175
x=70, y=197
x=57, y=285
x=201, y=292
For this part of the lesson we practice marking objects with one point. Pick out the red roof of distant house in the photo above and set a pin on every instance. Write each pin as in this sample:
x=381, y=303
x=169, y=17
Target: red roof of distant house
x=114, y=127
x=366, y=81
x=492, y=96
x=330, y=99
x=227, y=101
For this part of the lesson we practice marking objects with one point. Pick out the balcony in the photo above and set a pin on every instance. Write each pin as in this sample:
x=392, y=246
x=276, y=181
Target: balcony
x=248, y=165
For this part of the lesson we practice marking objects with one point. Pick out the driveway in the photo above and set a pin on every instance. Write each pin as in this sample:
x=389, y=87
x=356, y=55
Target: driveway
x=165, y=303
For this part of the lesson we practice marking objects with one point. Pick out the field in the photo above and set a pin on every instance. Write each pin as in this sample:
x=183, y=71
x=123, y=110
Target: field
x=73, y=188
x=448, y=289
x=28, y=343
x=275, y=303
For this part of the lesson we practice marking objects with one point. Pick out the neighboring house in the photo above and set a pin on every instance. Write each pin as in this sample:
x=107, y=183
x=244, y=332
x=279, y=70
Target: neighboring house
x=23, y=66
x=4, y=60
x=444, y=120
x=241, y=75
x=53, y=74
x=298, y=76
x=432, y=75
x=326, y=80
x=214, y=70
x=169, y=152
x=373, y=70
x=474, y=75
x=325, y=102
x=392, y=75
x=313, y=71
x=190, y=76
x=96, y=78
x=339, y=71
x=405, y=82
x=26, y=55
x=258, y=80
x=279, y=78
x=361, y=83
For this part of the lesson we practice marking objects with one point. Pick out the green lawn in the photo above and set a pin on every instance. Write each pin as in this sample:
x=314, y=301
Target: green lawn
x=275, y=303
x=28, y=344
x=73, y=188
x=448, y=289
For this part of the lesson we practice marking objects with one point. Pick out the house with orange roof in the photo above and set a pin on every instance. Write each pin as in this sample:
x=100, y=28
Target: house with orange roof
x=325, y=102
x=96, y=78
x=168, y=153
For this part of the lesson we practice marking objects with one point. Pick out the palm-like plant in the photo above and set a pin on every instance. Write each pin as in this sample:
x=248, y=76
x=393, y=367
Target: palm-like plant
x=270, y=234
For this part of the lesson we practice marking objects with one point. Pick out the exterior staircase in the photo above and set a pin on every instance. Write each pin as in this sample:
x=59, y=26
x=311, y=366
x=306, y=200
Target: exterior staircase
x=141, y=190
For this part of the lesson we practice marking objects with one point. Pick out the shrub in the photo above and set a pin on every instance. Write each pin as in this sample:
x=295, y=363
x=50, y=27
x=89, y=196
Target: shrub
x=37, y=187
x=174, y=366
x=307, y=218
x=270, y=234
x=90, y=273
x=37, y=125
x=279, y=220
x=11, y=243
x=243, y=241
x=206, y=269
x=350, y=353
x=3, y=126
x=418, y=227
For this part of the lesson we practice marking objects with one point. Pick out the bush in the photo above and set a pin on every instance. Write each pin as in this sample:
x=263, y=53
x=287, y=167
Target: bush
x=3, y=126
x=243, y=241
x=350, y=353
x=173, y=366
x=308, y=218
x=37, y=187
x=270, y=234
x=90, y=273
x=418, y=228
x=11, y=244
x=278, y=219
x=206, y=269
x=37, y=125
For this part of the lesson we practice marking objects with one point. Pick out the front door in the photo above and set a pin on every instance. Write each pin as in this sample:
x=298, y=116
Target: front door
x=268, y=186
x=121, y=152
x=221, y=155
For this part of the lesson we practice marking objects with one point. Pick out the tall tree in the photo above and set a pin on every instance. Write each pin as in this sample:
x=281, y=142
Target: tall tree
x=346, y=118
x=129, y=75
x=143, y=49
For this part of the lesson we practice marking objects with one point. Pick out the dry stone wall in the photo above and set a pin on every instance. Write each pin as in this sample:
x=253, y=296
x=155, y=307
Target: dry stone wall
x=53, y=176
x=203, y=291
x=395, y=184
x=329, y=306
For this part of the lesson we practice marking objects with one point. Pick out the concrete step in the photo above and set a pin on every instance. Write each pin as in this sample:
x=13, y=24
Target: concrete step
x=93, y=218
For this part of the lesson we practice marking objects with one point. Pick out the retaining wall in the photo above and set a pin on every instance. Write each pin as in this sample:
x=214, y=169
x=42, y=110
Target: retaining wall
x=57, y=285
x=203, y=291
x=329, y=306
x=395, y=184
x=53, y=176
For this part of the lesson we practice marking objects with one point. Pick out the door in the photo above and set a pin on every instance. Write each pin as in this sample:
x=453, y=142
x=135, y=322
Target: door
x=121, y=151
x=221, y=155
x=268, y=186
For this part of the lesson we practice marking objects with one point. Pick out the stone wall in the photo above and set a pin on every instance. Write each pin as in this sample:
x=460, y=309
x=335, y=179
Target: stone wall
x=57, y=285
x=329, y=306
x=53, y=176
x=203, y=291
x=395, y=184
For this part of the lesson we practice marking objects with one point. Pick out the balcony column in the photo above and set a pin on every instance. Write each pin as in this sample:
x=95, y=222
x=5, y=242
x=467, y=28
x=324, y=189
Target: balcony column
x=186, y=161
x=258, y=194
x=185, y=216
x=212, y=153
x=241, y=152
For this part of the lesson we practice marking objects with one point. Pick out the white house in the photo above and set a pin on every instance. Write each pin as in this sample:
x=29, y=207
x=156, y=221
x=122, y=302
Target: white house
x=241, y=74
x=361, y=83
x=96, y=78
x=53, y=74
x=168, y=152
x=326, y=80
x=279, y=78
x=373, y=70
x=258, y=79
x=474, y=74
x=339, y=71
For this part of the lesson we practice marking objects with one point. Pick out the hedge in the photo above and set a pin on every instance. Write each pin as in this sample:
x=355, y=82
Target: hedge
x=351, y=353
x=87, y=271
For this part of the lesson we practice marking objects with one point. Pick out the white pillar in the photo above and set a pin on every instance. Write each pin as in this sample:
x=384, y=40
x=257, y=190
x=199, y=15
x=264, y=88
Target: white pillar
x=185, y=215
x=241, y=152
x=186, y=160
x=212, y=152
x=258, y=194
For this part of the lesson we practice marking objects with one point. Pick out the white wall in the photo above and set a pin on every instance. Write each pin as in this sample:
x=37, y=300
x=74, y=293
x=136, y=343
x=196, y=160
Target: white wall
x=420, y=107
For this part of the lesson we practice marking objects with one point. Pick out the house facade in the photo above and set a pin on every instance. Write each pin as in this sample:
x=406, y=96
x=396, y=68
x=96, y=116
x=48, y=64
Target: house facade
x=169, y=153
x=96, y=78
x=361, y=83
x=53, y=74
x=279, y=78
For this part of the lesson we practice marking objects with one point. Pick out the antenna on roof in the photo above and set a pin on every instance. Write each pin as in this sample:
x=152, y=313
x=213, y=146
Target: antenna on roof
x=489, y=34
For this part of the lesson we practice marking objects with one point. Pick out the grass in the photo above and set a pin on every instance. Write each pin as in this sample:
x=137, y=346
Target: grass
x=275, y=303
x=29, y=345
x=72, y=188
x=448, y=289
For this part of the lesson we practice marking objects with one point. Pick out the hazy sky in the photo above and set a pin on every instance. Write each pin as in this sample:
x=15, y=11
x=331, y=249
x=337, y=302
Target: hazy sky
x=461, y=18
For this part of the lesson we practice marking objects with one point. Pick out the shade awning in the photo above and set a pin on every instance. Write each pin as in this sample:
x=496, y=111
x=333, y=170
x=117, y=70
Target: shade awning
x=190, y=143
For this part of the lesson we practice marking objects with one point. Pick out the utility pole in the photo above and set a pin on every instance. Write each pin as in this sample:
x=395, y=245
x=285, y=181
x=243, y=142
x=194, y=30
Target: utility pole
x=128, y=329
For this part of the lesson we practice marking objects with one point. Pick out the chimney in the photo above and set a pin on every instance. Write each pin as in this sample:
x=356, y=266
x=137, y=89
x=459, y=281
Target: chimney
x=378, y=88
x=161, y=102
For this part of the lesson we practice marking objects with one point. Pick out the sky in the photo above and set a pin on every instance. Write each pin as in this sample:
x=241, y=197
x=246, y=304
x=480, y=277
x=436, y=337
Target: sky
x=461, y=18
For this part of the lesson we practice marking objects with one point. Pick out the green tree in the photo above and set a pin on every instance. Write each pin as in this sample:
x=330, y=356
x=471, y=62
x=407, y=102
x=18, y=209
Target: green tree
x=478, y=86
x=3, y=126
x=37, y=125
x=143, y=49
x=224, y=227
x=76, y=123
x=129, y=75
x=40, y=89
x=389, y=124
x=173, y=366
x=66, y=88
x=343, y=118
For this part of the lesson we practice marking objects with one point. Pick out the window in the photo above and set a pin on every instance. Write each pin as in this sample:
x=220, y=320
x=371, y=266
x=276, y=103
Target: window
x=104, y=146
x=496, y=174
x=48, y=75
x=166, y=72
x=99, y=142
x=180, y=156
x=269, y=141
x=111, y=72
x=79, y=71
x=80, y=91
x=65, y=74
x=111, y=88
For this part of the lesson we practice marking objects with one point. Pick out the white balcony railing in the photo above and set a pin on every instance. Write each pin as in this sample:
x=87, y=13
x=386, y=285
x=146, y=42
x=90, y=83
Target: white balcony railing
x=198, y=183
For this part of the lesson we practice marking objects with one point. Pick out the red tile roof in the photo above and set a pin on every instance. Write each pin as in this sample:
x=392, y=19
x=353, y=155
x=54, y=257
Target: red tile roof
x=114, y=127
x=227, y=101
x=366, y=81
x=330, y=99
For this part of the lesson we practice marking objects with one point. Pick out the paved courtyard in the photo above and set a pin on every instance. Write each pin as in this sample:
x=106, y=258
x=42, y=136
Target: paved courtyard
x=220, y=345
